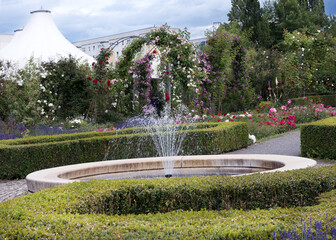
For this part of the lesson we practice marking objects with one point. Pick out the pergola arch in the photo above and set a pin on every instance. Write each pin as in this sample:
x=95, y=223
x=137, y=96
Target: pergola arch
x=176, y=55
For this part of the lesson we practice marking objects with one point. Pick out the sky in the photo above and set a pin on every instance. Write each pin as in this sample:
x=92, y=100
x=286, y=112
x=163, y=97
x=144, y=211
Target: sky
x=85, y=19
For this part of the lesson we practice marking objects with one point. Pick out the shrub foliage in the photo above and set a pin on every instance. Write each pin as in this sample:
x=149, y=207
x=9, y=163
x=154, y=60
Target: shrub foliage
x=85, y=210
x=317, y=139
x=20, y=157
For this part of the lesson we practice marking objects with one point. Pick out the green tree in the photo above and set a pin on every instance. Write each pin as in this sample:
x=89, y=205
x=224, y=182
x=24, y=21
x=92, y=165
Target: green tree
x=331, y=29
x=249, y=16
x=291, y=15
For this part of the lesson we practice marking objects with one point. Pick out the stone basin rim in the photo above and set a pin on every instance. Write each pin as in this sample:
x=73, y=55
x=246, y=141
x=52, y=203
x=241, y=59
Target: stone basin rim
x=51, y=177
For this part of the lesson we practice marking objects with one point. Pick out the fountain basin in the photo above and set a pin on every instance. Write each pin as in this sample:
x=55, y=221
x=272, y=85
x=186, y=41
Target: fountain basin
x=153, y=167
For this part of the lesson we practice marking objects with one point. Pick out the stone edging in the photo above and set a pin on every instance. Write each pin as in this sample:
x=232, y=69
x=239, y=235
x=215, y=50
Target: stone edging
x=47, y=178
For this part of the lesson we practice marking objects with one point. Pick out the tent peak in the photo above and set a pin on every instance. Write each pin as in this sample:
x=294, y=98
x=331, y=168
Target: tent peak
x=38, y=11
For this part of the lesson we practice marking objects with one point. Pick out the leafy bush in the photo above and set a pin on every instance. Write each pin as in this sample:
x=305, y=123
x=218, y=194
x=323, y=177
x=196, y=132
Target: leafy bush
x=287, y=189
x=65, y=88
x=318, y=139
x=265, y=66
x=55, y=213
x=327, y=100
x=22, y=156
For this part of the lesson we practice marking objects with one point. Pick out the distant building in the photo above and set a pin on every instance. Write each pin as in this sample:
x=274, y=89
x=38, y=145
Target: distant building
x=199, y=41
x=117, y=43
x=5, y=39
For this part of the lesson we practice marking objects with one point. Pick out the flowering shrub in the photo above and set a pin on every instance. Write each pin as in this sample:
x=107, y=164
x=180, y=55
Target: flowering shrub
x=266, y=121
x=310, y=111
x=101, y=87
x=222, y=78
x=63, y=88
x=308, y=63
x=111, y=128
x=174, y=50
x=143, y=83
x=23, y=91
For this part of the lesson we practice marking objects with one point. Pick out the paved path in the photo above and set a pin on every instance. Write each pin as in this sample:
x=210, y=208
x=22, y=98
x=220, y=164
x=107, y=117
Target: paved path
x=11, y=189
x=288, y=144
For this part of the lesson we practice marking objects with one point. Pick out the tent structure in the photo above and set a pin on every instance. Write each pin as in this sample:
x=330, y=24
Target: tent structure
x=41, y=40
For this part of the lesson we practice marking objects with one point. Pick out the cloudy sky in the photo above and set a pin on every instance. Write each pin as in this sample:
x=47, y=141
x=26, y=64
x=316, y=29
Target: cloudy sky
x=85, y=19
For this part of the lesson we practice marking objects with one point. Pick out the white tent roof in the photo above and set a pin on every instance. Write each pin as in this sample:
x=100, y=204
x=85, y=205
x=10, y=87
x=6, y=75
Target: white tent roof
x=41, y=40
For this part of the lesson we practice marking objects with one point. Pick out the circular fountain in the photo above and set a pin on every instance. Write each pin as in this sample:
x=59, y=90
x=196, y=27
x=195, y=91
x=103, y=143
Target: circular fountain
x=184, y=166
x=167, y=134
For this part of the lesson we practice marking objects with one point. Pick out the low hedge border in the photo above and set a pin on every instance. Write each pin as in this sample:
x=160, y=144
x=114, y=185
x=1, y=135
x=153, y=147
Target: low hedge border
x=45, y=152
x=57, y=213
x=327, y=100
x=318, y=139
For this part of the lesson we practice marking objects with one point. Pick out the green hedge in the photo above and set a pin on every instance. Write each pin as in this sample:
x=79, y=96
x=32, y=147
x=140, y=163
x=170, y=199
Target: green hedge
x=327, y=100
x=318, y=139
x=23, y=156
x=297, y=188
x=62, y=212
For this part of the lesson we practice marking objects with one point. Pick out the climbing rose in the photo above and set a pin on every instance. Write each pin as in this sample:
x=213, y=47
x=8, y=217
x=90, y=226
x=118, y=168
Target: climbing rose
x=95, y=81
x=167, y=97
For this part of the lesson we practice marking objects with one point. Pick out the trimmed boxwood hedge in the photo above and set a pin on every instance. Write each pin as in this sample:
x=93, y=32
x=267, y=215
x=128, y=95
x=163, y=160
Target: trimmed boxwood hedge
x=62, y=212
x=327, y=100
x=318, y=139
x=20, y=157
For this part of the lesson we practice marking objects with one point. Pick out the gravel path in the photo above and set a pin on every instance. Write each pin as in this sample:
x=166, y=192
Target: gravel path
x=288, y=144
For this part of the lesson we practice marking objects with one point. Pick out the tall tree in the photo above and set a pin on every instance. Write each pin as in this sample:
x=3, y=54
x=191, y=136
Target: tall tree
x=248, y=14
x=291, y=15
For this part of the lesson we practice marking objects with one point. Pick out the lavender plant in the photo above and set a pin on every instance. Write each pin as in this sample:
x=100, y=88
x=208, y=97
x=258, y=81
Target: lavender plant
x=41, y=129
x=314, y=231
x=11, y=130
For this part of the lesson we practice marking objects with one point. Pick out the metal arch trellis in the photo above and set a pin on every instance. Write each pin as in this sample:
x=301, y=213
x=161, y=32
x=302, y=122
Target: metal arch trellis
x=119, y=40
